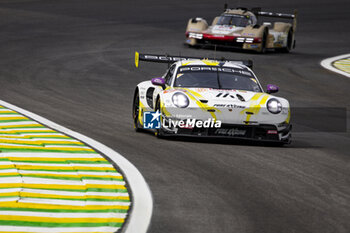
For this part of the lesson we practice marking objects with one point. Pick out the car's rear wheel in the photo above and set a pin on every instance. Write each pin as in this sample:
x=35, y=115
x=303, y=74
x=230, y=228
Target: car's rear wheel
x=288, y=48
x=136, y=112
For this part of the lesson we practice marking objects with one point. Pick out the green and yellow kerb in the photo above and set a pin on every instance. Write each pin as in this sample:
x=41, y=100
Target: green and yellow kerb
x=343, y=65
x=51, y=182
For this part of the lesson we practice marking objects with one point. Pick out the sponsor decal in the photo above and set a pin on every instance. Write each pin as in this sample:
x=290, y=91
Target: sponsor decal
x=228, y=106
x=212, y=68
x=165, y=58
x=272, y=132
x=203, y=89
x=222, y=89
x=230, y=132
x=248, y=34
x=253, y=46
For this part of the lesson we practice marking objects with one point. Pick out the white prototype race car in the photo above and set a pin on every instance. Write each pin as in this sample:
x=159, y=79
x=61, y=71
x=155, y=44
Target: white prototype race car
x=210, y=98
x=244, y=28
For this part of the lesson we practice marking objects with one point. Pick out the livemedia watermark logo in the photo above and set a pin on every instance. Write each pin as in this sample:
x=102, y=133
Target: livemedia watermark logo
x=152, y=120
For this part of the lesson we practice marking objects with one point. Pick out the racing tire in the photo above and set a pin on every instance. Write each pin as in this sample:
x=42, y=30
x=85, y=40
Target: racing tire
x=193, y=42
x=135, y=112
x=289, y=42
x=263, y=42
x=194, y=45
x=276, y=144
x=159, y=132
x=282, y=143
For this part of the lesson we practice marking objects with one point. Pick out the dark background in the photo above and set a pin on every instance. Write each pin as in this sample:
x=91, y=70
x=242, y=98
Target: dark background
x=73, y=62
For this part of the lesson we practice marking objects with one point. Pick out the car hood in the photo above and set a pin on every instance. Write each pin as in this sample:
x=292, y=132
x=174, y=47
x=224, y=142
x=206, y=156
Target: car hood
x=229, y=106
x=217, y=96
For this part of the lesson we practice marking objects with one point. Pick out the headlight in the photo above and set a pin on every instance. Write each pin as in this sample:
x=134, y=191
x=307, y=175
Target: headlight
x=195, y=35
x=274, y=106
x=180, y=100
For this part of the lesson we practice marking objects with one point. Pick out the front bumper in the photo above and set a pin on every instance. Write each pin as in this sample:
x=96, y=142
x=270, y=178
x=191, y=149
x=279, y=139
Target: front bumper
x=262, y=132
x=224, y=40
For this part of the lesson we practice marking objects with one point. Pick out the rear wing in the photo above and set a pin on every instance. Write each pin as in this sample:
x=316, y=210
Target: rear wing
x=257, y=11
x=171, y=59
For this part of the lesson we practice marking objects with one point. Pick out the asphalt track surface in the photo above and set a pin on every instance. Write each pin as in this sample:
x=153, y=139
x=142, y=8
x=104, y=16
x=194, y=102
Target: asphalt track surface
x=72, y=62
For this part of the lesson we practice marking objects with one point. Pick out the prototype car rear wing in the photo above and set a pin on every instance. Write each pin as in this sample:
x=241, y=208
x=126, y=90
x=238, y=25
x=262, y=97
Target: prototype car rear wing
x=171, y=59
x=257, y=11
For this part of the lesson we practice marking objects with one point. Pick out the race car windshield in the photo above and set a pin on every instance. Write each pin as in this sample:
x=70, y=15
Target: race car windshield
x=233, y=20
x=216, y=78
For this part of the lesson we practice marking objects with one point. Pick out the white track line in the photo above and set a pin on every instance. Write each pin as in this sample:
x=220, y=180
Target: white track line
x=141, y=211
x=327, y=63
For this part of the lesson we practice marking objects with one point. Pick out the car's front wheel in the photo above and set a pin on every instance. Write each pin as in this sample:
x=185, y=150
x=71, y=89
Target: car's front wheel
x=159, y=132
x=263, y=42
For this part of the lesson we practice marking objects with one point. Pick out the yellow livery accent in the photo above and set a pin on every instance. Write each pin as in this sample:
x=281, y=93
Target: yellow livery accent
x=210, y=63
x=137, y=56
x=254, y=107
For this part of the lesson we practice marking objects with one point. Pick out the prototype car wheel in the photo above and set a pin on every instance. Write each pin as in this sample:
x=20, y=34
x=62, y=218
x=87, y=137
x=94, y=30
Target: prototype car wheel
x=192, y=42
x=289, y=42
x=263, y=42
x=159, y=132
x=136, y=112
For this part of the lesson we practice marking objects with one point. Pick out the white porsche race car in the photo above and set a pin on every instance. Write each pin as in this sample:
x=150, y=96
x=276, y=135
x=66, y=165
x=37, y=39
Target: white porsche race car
x=209, y=98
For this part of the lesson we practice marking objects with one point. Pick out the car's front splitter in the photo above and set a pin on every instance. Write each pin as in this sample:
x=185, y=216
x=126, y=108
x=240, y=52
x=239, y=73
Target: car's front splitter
x=266, y=133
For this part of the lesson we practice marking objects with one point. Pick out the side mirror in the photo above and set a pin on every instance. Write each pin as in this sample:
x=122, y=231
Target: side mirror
x=271, y=88
x=158, y=82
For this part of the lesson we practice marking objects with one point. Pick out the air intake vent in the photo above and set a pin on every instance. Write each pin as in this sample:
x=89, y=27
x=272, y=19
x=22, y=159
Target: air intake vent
x=204, y=101
x=240, y=97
